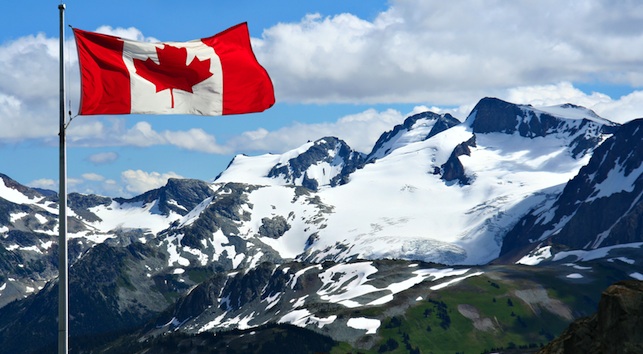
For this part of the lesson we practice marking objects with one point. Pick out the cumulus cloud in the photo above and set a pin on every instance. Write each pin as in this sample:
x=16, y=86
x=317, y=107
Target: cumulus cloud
x=44, y=183
x=138, y=181
x=93, y=177
x=141, y=134
x=424, y=52
x=28, y=89
x=620, y=110
x=359, y=130
x=448, y=52
x=103, y=158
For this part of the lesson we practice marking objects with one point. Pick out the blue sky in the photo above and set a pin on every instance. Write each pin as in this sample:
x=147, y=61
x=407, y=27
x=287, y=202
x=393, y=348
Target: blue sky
x=350, y=68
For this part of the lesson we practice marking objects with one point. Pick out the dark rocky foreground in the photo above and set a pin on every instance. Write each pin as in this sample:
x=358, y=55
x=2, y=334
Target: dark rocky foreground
x=617, y=327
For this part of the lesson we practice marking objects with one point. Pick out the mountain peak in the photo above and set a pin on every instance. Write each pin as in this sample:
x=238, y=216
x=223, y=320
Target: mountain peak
x=418, y=127
x=326, y=161
x=582, y=128
x=178, y=196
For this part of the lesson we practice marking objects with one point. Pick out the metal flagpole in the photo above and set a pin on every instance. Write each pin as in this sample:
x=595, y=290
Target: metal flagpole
x=63, y=283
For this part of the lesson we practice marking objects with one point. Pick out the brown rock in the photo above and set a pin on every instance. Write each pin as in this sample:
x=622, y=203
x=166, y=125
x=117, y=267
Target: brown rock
x=616, y=328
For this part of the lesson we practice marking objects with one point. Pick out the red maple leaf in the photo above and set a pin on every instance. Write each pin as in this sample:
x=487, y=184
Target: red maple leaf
x=172, y=72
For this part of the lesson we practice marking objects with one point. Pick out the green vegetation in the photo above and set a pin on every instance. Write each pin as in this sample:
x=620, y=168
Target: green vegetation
x=479, y=315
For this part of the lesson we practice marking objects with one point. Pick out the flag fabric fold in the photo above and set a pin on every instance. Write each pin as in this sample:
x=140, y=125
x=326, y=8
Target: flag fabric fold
x=218, y=75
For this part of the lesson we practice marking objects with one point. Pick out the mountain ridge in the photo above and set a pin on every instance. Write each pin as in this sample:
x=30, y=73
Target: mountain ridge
x=323, y=229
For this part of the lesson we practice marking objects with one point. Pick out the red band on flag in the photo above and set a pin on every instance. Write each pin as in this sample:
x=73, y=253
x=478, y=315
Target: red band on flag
x=213, y=76
x=105, y=87
x=245, y=81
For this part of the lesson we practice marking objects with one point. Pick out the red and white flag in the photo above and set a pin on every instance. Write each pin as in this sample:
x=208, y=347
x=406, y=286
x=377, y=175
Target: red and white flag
x=211, y=76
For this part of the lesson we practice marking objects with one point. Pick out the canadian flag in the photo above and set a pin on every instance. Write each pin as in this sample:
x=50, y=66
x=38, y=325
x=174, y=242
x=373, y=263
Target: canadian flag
x=211, y=76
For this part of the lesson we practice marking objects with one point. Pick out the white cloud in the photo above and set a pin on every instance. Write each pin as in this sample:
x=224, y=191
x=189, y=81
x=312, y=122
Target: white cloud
x=360, y=131
x=620, y=110
x=138, y=181
x=195, y=140
x=142, y=134
x=44, y=183
x=432, y=52
x=449, y=52
x=93, y=177
x=127, y=33
x=103, y=158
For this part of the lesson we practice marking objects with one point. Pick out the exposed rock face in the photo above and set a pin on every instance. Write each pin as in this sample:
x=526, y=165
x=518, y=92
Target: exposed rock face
x=617, y=327
x=453, y=168
x=436, y=123
x=604, y=199
x=329, y=161
x=178, y=196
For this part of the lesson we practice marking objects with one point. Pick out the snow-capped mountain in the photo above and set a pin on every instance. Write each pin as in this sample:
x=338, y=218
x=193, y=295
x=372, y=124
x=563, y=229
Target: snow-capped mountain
x=418, y=127
x=29, y=227
x=446, y=197
x=325, y=162
x=601, y=206
x=239, y=251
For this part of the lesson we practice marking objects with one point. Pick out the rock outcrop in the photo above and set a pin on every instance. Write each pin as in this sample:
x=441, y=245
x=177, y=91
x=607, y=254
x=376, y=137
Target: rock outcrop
x=617, y=327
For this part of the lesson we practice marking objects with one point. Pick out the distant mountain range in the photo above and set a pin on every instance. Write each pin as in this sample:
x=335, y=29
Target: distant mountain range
x=340, y=242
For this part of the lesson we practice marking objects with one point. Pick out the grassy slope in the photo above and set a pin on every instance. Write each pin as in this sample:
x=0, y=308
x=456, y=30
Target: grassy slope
x=435, y=325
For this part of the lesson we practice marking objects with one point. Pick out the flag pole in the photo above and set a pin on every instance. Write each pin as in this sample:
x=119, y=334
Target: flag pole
x=63, y=282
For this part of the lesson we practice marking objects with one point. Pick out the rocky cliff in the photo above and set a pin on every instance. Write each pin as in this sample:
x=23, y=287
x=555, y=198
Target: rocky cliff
x=617, y=327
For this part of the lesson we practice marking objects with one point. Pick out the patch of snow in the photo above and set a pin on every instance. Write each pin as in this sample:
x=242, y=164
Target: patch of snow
x=212, y=324
x=637, y=276
x=301, y=318
x=95, y=237
x=293, y=281
x=299, y=302
x=175, y=256
x=296, y=317
x=536, y=256
x=574, y=276
x=31, y=249
x=16, y=216
x=255, y=260
x=272, y=300
x=622, y=259
x=14, y=196
x=244, y=322
x=369, y=324
x=193, y=215
x=322, y=321
x=131, y=215
x=344, y=283
x=176, y=204
x=582, y=255
x=576, y=266
x=351, y=283
x=41, y=219
x=46, y=245
x=453, y=281
x=616, y=182
x=203, y=258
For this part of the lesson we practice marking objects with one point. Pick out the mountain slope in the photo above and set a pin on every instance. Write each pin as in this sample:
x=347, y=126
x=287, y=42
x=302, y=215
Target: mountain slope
x=303, y=236
x=410, y=205
x=601, y=206
x=325, y=162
